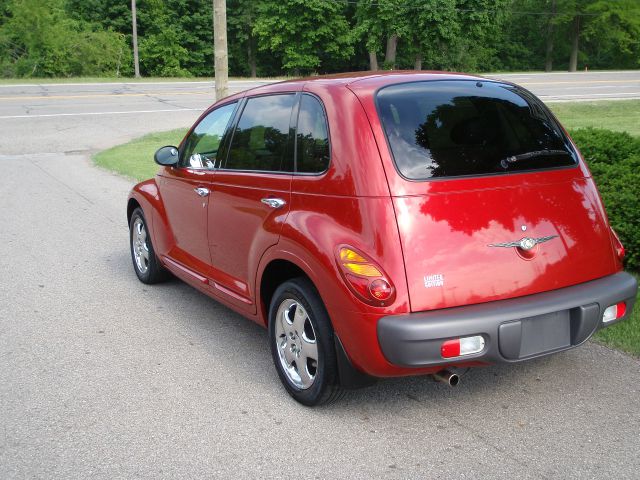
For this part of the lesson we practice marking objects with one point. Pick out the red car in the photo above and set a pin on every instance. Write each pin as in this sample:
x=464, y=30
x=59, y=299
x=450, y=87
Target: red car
x=384, y=225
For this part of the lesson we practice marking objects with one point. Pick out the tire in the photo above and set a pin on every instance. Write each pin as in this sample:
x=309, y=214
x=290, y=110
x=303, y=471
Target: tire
x=145, y=262
x=299, y=330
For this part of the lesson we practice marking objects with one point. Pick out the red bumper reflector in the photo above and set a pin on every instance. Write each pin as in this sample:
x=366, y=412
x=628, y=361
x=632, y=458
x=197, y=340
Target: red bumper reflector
x=450, y=348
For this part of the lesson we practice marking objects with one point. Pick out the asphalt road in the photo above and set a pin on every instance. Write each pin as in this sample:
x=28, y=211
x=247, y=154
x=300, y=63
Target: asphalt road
x=104, y=377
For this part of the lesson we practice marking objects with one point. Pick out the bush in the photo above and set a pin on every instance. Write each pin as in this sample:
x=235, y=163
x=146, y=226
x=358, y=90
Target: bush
x=39, y=39
x=614, y=160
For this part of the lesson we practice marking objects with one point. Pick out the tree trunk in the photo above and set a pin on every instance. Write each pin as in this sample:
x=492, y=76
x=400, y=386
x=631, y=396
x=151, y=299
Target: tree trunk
x=373, y=61
x=251, y=56
x=548, y=64
x=573, y=59
x=418, y=62
x=390, y=56
x=220, y=54
x=134, y=28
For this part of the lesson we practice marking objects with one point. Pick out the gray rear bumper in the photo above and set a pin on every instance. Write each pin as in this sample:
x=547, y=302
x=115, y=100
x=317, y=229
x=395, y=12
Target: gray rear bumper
x=514, y=330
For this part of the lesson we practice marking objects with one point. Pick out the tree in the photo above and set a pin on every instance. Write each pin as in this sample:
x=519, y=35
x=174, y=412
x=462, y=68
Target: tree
x=39, y=39
x=382, y=21
x=612, y=33
x=433, y=32
x=241, y=16
x=220, y=53
x=548, y=62
x=134, y=35
x=305, y=33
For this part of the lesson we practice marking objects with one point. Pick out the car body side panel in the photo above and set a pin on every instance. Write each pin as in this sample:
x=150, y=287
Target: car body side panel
x=241, y=228
x=186, y=212
x=316, y=225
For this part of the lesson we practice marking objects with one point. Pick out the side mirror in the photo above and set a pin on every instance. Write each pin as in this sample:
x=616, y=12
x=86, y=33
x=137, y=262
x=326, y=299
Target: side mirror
x=166, y=156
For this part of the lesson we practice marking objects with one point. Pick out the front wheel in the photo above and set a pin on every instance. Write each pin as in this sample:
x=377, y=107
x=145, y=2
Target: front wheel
x=302, y=344
x=145, y=262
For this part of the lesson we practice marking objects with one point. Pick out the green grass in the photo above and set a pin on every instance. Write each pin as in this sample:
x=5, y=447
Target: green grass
x=135, y=159
x=618, y=115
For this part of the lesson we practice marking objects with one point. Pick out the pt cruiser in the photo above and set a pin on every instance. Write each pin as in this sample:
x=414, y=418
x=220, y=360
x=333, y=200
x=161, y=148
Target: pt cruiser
x=384, y=225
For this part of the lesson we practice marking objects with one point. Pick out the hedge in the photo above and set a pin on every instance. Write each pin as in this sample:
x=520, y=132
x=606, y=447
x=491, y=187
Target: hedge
x=614, y=161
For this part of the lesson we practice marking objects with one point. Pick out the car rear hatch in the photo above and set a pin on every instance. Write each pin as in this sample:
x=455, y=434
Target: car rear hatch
x=490, y=197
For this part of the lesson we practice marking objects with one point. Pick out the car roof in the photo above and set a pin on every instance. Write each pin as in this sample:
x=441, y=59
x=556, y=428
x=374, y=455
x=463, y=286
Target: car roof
x=378, y=78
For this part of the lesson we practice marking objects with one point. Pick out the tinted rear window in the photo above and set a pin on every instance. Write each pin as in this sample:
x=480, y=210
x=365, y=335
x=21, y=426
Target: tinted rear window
x=260, y=140
x=455, y=128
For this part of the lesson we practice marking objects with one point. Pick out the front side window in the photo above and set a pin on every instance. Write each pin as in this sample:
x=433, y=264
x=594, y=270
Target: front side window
x=312, y=137
x=261, y=137
x=460, y=127
x=201, y=148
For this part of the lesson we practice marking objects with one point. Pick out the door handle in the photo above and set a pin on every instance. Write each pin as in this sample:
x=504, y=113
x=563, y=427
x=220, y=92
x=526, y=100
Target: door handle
x=203, y=192
x=274, y=202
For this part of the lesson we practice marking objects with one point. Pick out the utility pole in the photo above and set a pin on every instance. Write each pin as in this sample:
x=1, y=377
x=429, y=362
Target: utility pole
x=220, y=54
x=134, y=26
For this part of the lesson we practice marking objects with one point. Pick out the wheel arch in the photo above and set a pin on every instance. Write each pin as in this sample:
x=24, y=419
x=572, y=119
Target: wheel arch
x=286, y=266
x=146, y=195
x=273, y=272
x=132, y=204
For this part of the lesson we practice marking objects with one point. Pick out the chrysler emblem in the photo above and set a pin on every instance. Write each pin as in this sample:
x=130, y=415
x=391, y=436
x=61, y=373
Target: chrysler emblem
x=526, y=243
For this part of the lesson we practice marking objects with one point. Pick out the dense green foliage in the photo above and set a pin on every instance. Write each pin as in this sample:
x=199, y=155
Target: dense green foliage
x=614, y=160
x=41, y=38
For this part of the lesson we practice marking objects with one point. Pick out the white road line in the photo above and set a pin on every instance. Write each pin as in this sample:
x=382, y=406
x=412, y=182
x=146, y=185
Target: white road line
x=602, y=99
x=604, y=95
x=5, y=117
x=538, y=74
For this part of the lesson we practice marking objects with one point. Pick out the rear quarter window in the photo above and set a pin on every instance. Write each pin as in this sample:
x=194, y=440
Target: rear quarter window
x=312, y=137
x=459, y=128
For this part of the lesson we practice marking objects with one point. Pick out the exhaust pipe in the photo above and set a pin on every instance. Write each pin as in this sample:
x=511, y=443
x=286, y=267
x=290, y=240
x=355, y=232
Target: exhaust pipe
x=447, y=377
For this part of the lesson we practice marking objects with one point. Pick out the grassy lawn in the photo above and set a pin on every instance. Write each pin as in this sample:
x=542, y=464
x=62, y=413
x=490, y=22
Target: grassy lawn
x=619, y=115
x=135, y=160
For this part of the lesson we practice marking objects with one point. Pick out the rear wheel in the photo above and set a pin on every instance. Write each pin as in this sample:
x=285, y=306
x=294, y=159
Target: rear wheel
x=302, y=344
x=145, y=262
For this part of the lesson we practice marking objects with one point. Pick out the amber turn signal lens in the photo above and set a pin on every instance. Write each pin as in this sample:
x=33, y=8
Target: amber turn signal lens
x=356, y=263
x=364, y=269
x=348, y=255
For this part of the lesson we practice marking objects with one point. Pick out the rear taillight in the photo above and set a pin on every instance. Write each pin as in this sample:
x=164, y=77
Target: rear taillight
x=617, y=244
x=365, y=278
x=459, y=347
x=614, y=312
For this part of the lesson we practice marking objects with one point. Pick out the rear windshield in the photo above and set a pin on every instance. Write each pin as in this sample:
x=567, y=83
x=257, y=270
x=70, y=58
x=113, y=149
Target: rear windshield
x=460, y=127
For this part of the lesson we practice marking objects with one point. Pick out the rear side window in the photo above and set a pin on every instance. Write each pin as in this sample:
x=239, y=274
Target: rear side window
x=456, y=128
x=261, y=137
x=312, y=137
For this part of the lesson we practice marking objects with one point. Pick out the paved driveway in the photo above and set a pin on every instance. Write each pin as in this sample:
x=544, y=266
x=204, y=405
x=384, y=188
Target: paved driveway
x=102, y=376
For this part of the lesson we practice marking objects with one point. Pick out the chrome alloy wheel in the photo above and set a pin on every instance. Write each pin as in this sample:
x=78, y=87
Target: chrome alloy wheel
x=296, y=344
x=140, y=246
